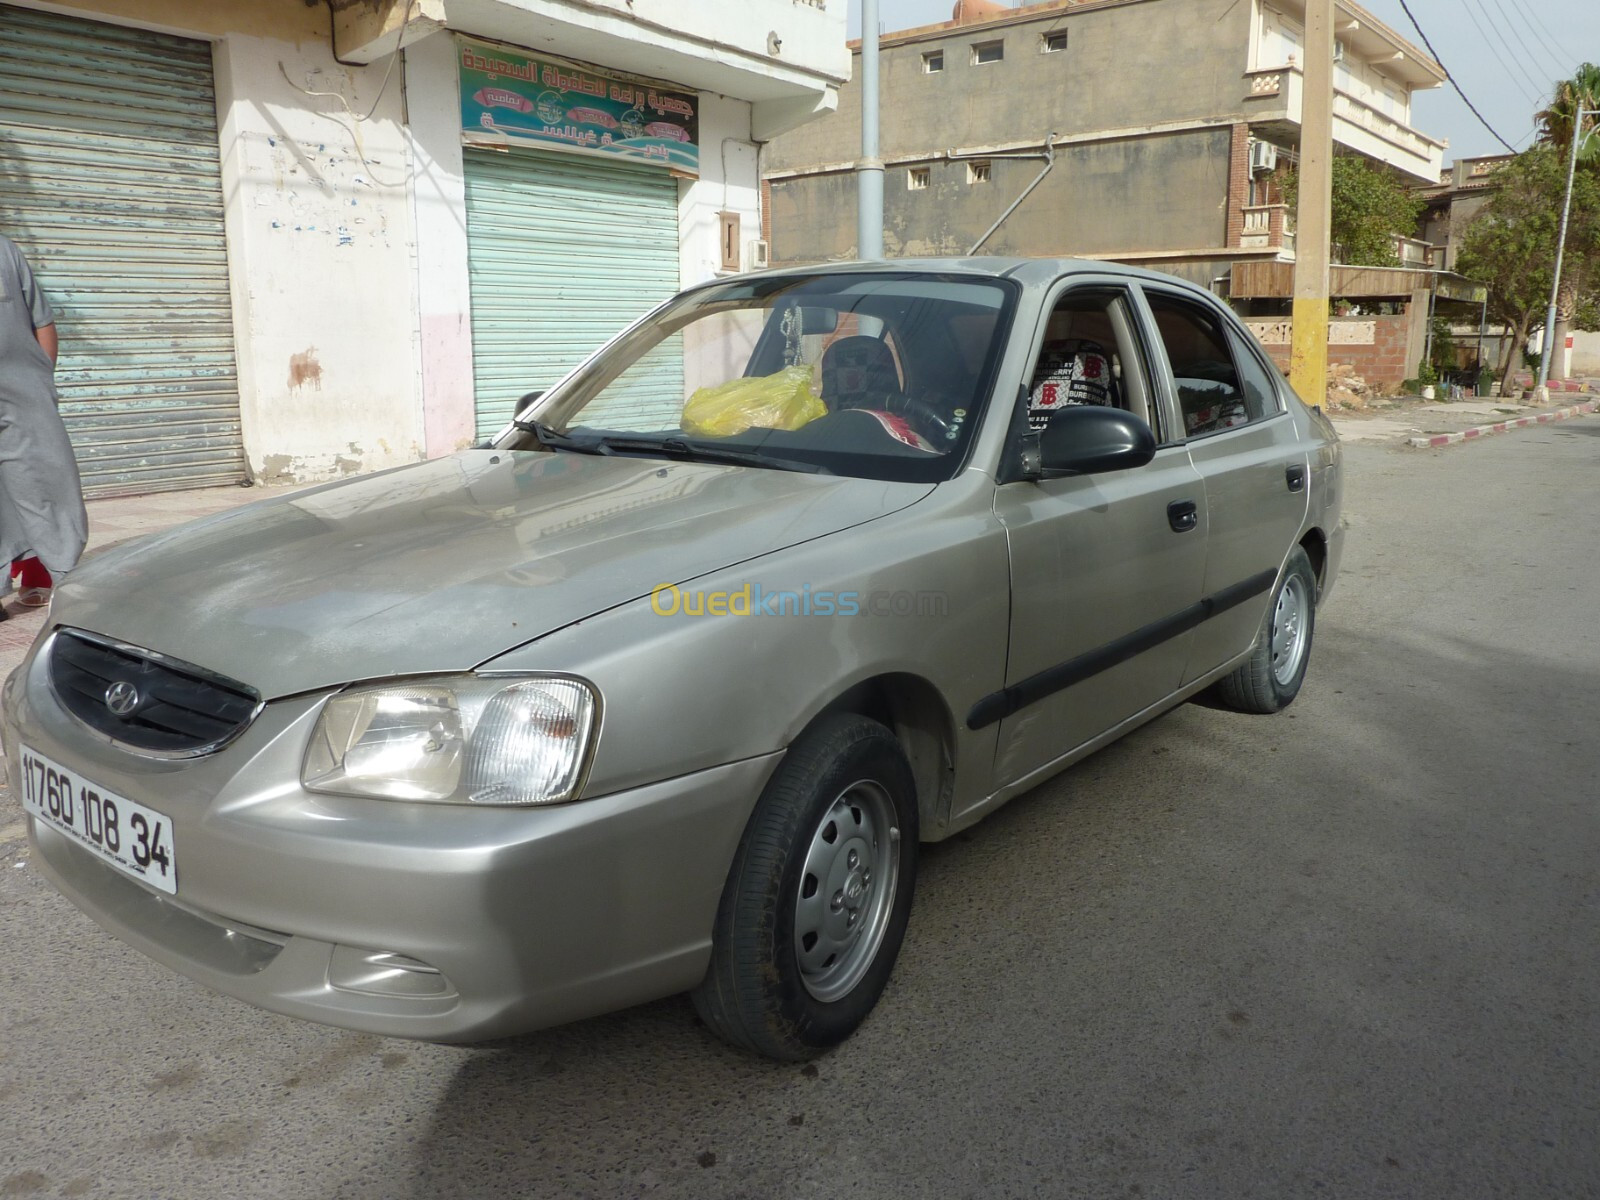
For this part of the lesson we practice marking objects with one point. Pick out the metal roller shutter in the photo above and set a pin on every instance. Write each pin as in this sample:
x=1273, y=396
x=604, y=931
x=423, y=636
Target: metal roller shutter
x=563, y=252
x=109, y=181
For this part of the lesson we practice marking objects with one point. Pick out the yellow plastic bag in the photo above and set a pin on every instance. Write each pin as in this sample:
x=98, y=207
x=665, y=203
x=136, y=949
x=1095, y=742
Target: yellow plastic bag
x=781, y=401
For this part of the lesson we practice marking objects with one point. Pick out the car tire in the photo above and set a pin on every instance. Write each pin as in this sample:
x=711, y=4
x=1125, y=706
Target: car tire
x=1270, y=679
x=816, y=905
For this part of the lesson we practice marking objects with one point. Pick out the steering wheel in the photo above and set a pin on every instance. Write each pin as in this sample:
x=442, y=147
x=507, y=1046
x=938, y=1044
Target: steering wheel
x=922, y=416
x=927, y=419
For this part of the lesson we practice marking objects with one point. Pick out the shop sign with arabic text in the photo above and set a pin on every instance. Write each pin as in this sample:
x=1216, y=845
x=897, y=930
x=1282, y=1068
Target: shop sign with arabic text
x=550, y=103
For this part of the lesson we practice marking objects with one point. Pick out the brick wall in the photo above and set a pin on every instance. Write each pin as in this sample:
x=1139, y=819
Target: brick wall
x=1373, y=347
x=1238, y=183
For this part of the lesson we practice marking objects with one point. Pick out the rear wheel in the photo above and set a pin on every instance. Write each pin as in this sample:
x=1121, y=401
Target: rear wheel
x=1272, y=676
x=816, y=905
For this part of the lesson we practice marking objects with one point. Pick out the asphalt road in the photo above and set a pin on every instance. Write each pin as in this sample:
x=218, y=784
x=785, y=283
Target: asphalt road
x=1349, y=950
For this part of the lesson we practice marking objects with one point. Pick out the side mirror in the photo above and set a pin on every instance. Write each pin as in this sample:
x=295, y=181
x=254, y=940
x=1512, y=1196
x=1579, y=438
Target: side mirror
x=1085, y=440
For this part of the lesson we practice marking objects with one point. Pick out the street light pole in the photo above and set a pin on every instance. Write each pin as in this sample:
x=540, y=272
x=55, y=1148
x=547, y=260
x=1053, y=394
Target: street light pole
x=869, y=167
x=1579, y=113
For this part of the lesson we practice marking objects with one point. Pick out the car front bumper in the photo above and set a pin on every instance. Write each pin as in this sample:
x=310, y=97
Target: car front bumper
x=436, y=922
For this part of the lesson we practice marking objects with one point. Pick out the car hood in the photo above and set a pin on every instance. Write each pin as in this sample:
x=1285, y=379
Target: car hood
x=443, y=565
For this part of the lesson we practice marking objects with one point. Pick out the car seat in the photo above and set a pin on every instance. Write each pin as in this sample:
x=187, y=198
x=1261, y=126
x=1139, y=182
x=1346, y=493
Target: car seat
x=1073, y=371
x=856, y=370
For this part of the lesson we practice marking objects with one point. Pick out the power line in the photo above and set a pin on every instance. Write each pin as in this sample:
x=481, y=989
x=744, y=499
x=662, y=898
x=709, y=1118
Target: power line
x=1511, y=23
x=1544, y=33
x=1407, y=9
x=1533, y=91
x=1491, y=39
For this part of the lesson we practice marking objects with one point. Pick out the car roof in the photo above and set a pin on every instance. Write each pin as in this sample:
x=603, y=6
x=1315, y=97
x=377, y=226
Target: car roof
x=1030, y=272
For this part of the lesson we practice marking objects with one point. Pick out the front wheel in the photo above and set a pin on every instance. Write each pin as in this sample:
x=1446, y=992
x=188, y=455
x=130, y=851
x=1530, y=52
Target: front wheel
x=1276, y=668
x=816, y=905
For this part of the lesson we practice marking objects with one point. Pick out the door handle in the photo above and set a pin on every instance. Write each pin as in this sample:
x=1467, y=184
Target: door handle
x=1183, y=515
x=1295, y=476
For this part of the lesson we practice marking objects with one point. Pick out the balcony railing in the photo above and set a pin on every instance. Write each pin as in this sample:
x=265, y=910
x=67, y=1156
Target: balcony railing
x=1266, y=83
x=1268, y=226
x=1275, y=94
x=1416, y=253
x=1381, y=124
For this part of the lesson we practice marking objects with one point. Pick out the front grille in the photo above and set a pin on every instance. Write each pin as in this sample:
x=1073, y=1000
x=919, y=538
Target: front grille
x=180, y=709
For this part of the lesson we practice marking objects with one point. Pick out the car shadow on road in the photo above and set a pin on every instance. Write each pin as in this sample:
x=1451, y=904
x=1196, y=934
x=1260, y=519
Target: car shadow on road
x=1133, y=968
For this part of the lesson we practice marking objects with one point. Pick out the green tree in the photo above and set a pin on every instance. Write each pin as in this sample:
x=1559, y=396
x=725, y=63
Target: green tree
x=1511, y=244
x=1370, y=207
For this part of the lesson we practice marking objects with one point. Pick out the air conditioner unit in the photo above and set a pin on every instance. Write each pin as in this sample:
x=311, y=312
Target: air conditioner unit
x=1263, y=157
x=758, y=259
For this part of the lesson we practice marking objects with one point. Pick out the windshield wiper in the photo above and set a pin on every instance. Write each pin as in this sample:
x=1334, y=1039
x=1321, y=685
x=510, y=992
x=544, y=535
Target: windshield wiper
x=671, y=447
x=680, y=448
x=552, y=440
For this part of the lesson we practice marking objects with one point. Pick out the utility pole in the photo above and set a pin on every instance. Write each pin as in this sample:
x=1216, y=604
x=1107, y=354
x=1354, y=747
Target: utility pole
x=869, y=167
x=1549, y=347
x=1308, y=350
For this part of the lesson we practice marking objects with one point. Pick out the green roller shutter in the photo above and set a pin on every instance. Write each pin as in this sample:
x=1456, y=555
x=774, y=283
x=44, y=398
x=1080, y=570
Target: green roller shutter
x=563, y=252
x=110, y=183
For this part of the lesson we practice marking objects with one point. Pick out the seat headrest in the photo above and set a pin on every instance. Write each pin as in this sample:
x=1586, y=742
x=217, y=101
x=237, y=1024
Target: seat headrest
x=857, y=365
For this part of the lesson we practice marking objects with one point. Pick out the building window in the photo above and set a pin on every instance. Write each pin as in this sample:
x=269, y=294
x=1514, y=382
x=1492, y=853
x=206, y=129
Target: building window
x=987, y=52
x=978, y=171
x=1053, y=43
x=917, y=179
x=933, y=62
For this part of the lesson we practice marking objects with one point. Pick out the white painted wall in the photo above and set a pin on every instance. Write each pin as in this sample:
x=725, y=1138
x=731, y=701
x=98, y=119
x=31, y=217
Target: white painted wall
x=1585, y=360
x=729, y=182
x=812, y=34
x=320, y=245
x=443, y=289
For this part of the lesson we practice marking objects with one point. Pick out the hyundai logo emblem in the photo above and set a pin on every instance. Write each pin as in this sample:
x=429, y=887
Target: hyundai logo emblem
x=122, y=698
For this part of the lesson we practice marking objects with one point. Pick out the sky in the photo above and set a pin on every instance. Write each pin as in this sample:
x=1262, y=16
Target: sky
x=1505, y=54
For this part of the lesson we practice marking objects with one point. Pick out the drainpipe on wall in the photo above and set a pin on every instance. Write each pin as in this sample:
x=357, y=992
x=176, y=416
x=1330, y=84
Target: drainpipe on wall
x=1049, y=162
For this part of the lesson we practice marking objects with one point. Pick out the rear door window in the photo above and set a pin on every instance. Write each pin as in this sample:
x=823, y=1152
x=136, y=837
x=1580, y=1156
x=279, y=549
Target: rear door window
x=1213, y=393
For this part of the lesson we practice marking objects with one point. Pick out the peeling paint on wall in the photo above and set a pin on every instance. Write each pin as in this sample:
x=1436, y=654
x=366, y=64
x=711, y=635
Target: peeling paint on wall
x=305, y=369
x=277, y=468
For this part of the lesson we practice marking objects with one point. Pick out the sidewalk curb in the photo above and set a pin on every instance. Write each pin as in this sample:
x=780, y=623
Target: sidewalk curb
x=1478, y=431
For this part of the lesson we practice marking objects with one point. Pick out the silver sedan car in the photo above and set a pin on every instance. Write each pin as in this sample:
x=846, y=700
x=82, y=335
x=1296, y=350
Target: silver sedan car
x=660, y=690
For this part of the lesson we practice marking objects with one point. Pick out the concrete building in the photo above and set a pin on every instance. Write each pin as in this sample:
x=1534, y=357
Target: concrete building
x=1152, y=129
x=1464, y=187
x=291, y=240
x=1160, y=121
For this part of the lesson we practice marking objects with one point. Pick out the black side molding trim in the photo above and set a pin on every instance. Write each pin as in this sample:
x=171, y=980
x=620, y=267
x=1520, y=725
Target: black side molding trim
x=997, y=706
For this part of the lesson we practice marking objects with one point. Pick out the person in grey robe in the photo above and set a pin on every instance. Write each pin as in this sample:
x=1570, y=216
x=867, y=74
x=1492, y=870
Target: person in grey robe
x=41, y=497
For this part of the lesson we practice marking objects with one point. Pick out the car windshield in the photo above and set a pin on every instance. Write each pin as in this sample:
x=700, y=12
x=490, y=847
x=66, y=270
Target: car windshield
x=878, y=376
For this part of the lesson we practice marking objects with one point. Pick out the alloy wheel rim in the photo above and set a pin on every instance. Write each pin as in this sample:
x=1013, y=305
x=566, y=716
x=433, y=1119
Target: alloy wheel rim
x=846, y=891
x=1288, y=639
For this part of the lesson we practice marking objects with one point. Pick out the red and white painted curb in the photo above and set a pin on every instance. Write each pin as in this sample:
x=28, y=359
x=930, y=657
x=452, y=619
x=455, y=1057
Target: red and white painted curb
x=1479, y=431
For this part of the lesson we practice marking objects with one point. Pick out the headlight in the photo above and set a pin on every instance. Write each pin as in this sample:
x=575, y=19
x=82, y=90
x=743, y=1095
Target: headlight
x=465, y=740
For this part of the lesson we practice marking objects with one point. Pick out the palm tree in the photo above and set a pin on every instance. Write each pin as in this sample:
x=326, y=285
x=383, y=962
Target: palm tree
x=1555, y=126
x=1555, y=122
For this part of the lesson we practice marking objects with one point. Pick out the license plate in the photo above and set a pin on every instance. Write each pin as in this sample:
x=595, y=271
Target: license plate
x=132, y=838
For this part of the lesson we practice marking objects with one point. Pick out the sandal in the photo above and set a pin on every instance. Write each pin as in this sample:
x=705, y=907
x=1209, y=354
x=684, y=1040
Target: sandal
x=33, y=582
